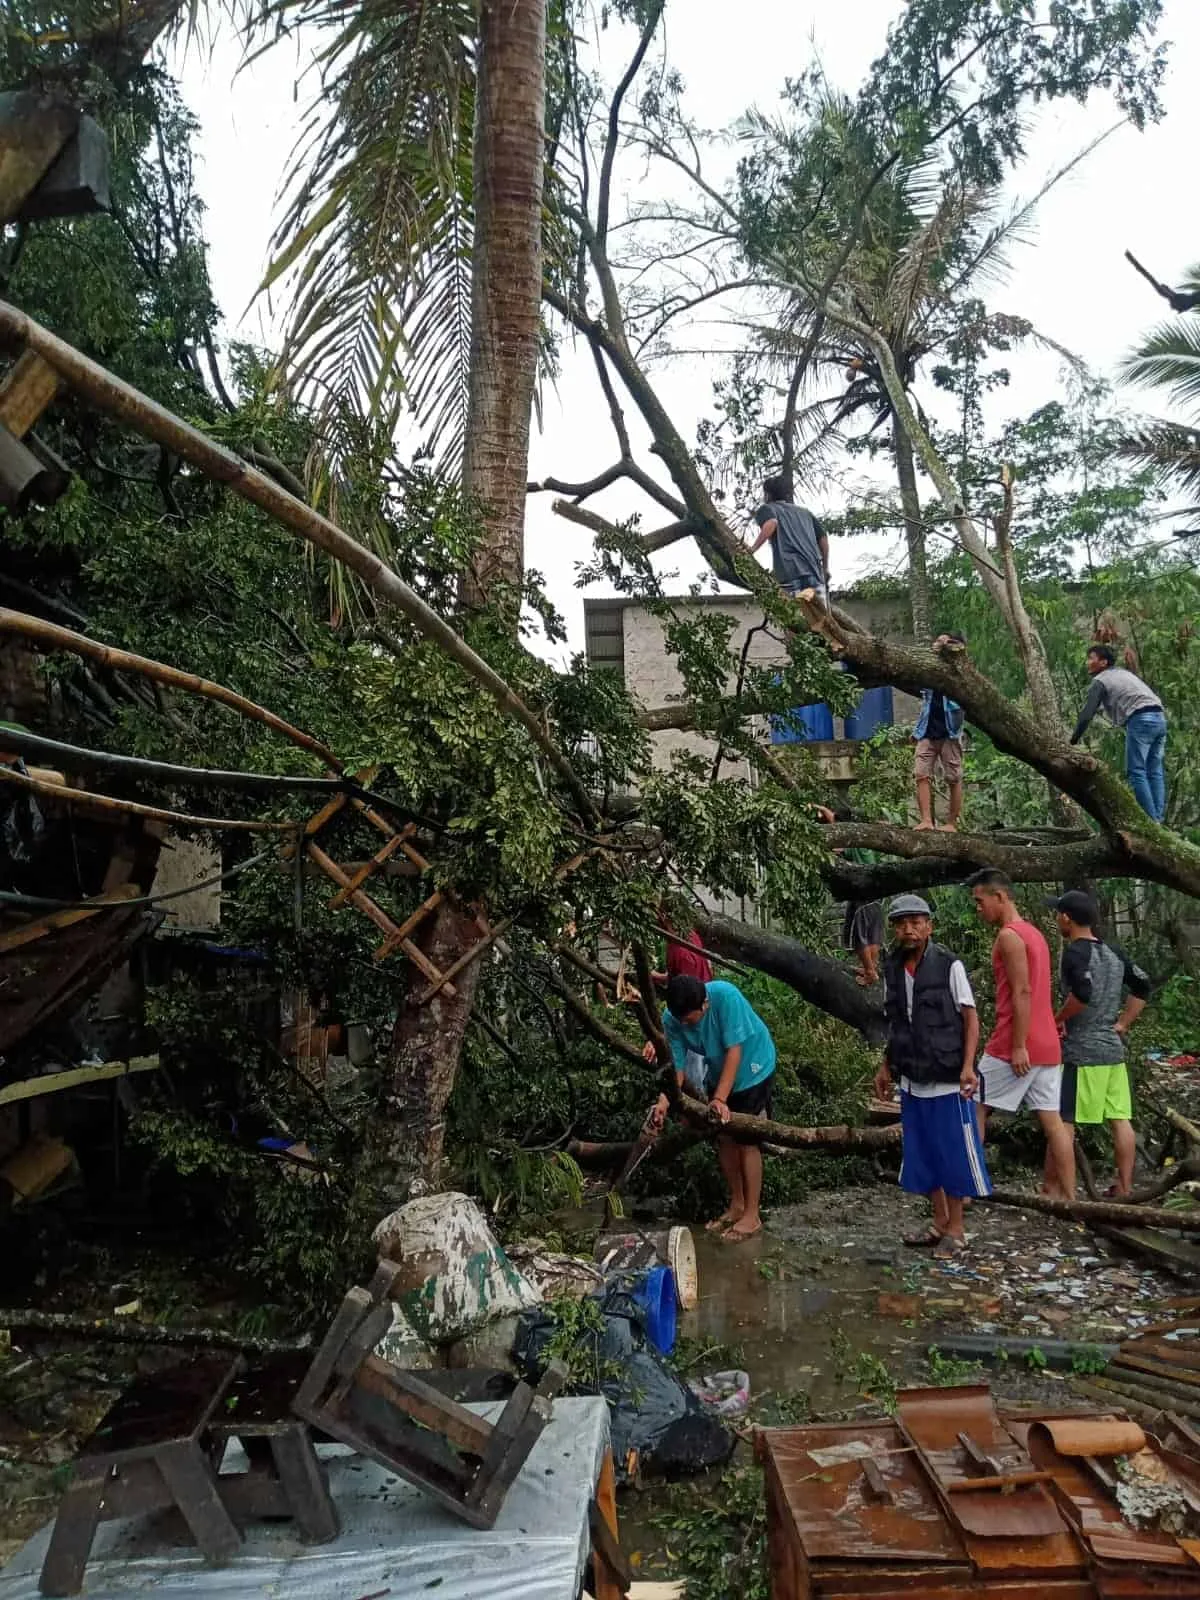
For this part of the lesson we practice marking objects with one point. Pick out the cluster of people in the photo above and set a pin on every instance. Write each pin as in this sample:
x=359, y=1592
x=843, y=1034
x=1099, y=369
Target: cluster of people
x=1063, y=1060
x=800, y=561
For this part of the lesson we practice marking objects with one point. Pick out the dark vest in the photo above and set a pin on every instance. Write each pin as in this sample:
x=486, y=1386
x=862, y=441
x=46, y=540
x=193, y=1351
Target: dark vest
x=929, y=1049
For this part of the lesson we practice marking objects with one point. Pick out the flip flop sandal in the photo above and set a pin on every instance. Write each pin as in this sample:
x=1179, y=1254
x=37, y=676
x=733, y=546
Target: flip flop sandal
x=734, y=1236
x=719, y=1224
x=948, y=1247
x=928, y=1240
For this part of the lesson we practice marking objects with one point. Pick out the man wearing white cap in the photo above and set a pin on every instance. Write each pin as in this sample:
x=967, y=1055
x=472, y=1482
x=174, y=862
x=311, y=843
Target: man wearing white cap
x=933, y=1032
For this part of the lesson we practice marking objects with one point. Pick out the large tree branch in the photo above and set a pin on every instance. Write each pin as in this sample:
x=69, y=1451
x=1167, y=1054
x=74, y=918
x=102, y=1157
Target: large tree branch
x=1153, y=851
x=656, y=539
x=760, y=1130
x=1177, y=299
x=116, y=398
x=815, y=978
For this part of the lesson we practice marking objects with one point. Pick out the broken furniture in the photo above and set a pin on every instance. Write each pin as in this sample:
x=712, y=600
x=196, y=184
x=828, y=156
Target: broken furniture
x=954, y=1498
x=283, y=1477
x=396, y=1418
x=161, y=1445
x=393, y=1537
x=147, y=1454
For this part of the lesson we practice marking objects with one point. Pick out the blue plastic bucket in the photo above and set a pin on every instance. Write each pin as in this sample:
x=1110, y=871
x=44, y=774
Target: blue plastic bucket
x=654, y=1294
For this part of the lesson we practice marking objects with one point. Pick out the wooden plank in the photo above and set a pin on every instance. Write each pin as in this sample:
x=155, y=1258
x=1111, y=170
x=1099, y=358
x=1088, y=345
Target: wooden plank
x=424, y=1404
x=74, y=1529
x=354, y=1307
x=611, y=1568
x=360, y=875
x=1175, y=1255
x=499, y=929
x=363, y=902
x=385, y=827
x=29, y=386
x=16, y=937
x=304, y=1484
x=407, y=926
x=55, y=1082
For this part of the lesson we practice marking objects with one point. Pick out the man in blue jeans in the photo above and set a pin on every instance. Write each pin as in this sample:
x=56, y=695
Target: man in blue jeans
x=1130, y=704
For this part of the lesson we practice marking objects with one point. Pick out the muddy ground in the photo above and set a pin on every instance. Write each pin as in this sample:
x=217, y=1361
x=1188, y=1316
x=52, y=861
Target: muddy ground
x=826, y=1310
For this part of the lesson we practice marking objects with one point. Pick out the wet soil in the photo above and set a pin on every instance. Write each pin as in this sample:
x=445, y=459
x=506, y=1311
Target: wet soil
x=829, y=1313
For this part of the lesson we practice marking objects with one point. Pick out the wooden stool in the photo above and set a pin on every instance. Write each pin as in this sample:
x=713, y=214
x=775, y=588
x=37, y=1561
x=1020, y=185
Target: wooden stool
x=406, y=1425
x=148, y=1454
x=284, y=1478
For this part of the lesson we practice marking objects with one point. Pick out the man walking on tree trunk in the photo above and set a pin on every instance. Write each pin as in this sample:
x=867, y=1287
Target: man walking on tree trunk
x=1022, y=1060
x=933, y=1033
x=1133, y=705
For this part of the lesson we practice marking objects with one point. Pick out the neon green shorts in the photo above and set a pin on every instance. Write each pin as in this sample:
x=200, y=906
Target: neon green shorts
x=1096, y=1094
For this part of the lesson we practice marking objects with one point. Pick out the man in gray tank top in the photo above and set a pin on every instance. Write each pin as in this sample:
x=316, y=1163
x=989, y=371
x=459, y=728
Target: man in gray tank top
x=799, y=546
x=1095, y=976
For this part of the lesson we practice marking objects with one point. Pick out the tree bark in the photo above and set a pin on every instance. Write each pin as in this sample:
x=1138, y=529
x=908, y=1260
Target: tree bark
x=1186, y=1220
x=506, y=290
x=914, y=534
x=506, y=285
x=760, y=1130
x=815, y=978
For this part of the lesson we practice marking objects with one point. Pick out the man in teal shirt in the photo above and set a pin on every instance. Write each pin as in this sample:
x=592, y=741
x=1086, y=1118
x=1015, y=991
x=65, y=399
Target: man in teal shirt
x=722, y=1050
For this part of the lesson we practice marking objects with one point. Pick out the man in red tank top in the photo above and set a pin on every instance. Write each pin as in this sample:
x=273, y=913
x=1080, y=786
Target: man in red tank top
x=1022, y=1061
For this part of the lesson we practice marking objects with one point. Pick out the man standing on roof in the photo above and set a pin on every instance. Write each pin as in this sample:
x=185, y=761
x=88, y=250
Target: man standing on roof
x=1022, y=1061
x=1095, y=1025
x=723, y=1051
x=1129, y=703
x=799, y=546
x=933, y=1032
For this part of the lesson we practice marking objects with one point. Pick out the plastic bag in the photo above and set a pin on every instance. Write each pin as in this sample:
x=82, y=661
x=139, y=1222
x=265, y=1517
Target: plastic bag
x=727, y=1394
x=655, y=1419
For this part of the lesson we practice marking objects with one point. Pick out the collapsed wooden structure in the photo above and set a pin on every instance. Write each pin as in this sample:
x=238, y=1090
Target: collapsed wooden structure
x=953, y=1497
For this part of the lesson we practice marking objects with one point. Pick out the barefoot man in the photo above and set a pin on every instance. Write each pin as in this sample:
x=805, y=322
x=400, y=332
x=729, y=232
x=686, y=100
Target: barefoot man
x=939, y=736
x=1022, y=1061
x=933, y=1033
x=715, y=1035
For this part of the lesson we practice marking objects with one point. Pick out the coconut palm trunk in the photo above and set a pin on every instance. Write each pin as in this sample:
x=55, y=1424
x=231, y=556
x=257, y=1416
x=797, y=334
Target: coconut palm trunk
x=408, y=1138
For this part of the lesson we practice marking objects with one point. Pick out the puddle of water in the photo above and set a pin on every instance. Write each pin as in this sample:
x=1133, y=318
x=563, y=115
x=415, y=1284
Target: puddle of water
x=765, y=1300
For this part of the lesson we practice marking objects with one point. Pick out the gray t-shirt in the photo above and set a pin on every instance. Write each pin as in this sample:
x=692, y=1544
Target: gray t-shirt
x=1096, y=974
x=1120, y=695
x=796, y=547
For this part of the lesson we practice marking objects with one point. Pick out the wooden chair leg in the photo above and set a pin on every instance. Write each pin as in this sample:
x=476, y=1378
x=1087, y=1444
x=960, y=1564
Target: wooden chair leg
x=304, y=1484
x=74, y=1529
x=193, y=1487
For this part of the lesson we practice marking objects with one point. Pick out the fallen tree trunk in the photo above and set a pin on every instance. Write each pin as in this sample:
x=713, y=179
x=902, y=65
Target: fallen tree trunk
x=125, y=1330
x=760, y=1130
x=823, y=982
x=1115, y=1211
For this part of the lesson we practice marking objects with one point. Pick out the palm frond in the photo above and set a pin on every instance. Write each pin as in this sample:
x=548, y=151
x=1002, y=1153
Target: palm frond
x=1171, y=449
x=374, y=246
x=1169, y=359
x=987, y=257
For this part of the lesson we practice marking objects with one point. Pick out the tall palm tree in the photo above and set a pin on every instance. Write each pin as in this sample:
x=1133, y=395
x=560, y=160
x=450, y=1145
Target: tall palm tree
x=412, y=248
x=1168, y=361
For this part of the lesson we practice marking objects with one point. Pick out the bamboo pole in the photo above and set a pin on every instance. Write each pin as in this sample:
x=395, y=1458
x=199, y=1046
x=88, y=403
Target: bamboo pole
x=55, y=637
x=112, y=395
x=132, y=808
x=73, y=755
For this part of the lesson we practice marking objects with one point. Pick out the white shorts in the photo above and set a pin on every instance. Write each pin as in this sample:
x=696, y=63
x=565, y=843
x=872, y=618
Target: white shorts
x=1040, y=1089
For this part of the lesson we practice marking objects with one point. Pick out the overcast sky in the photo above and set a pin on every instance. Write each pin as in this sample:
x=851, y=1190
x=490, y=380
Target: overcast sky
x=1137, y=191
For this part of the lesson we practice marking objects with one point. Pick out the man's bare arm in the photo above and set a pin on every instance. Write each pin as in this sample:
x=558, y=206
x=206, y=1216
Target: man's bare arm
x=768, y=531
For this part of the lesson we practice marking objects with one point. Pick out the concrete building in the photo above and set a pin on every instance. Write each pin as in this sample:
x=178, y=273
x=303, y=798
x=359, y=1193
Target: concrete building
x=623, y=635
